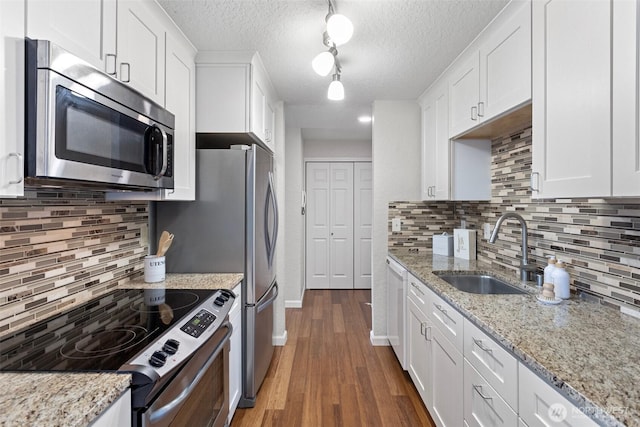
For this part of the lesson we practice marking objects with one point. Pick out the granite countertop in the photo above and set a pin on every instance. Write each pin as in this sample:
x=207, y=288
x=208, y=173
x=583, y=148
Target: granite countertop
x=75, y=399
x=589, y=351
x=65, y=400
x=189, y=281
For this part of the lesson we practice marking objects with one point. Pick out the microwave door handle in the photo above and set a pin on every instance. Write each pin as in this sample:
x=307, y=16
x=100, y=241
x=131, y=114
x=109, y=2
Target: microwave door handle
x=164, y=155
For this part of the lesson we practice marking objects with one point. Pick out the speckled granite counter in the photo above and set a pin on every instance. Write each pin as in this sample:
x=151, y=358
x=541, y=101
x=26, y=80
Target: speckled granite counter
x=590, y=352
x=190, y=281
x=65, y=400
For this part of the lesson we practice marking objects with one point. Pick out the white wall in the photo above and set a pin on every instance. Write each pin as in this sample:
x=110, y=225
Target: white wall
x=279, y=324
x=294, y=225
x=396, y=176
x=360, y=149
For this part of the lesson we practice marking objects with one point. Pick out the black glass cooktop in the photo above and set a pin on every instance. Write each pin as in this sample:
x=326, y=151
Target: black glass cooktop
x=100, y=335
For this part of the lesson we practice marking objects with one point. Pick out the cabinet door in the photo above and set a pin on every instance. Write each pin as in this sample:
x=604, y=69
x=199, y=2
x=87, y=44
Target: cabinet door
x=11, y=98
x=626, y=99
x=447, y=368
x=505, y=65
x=419, y=348
x=180, y=100
x=229, y=82
x=86, y=28
x=269, y=125
x=118, y=414
x=483, y=406
x=464, y=91
x=572, y=93
x=542, y=406
x=258, y=108
x=428, y=150
x=141, y=47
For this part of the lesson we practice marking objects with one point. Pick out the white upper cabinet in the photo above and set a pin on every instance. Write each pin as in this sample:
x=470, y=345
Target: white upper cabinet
x=86, y=28
x=240, y=79
x=180, y=91
x=141, y=47
x=12, y=33
x=494, y=76
x=435, y=143
x=571, y=98
x=626, y=99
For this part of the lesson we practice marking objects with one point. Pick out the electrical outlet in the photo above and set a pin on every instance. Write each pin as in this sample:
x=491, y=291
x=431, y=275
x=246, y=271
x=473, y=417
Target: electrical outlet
x=396, y=224
x=487, y=230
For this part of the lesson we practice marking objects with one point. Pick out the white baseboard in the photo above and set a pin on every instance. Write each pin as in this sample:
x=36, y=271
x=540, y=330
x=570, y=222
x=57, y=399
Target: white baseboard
x=380, y=340
x=293, y=304
x=279, y=340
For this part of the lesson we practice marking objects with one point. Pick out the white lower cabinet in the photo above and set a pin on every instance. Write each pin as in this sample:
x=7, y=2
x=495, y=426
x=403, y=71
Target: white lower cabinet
x=483, y=406
x=235, y=353
x=542, y=406
x=118, y=414
x=447, y=381
x=419, y=352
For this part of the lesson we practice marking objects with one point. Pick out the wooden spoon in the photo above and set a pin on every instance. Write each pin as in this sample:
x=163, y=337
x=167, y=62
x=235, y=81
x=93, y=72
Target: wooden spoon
x=165, y=246
x=163, y=238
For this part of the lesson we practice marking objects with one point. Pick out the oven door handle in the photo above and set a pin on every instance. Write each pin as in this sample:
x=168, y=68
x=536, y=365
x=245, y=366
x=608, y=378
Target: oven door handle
x=167, y=409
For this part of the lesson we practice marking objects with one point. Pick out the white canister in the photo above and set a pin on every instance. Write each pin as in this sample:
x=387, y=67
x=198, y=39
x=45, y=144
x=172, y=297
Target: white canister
x=561, y=281
x=154, y=268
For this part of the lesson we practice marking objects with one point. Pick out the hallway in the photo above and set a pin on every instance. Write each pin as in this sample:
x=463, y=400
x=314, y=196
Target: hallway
x=329, y=374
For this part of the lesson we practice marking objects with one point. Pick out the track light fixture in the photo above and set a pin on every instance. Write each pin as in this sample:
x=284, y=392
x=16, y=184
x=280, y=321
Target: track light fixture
x=339, y=30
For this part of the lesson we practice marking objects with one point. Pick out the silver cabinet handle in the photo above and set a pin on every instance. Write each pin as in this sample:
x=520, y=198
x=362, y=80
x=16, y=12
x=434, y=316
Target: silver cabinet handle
x=128, y=79
x=427, y=333
x=537, y=180
x=433, y=191
x=474, y=113
x=422, y=326
x=478, y=389
x=110, y=65
x=481, y=108
x=18, y=156
x=414, y=286
x=480, y=344
x=439, y=307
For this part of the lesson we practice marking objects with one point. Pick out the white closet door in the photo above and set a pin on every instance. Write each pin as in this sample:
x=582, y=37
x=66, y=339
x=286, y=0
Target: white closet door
x=341, y=233
x=318, y=227
x=363, y=204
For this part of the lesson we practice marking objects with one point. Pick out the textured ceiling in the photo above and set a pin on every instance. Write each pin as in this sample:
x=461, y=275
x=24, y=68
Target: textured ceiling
x=398, y=49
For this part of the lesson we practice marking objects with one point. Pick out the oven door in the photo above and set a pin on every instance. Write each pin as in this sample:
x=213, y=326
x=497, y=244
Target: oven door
x=198, y=396
x=83, y=135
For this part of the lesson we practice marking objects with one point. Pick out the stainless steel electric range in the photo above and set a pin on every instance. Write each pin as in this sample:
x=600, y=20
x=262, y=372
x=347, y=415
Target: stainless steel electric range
x=175, y=343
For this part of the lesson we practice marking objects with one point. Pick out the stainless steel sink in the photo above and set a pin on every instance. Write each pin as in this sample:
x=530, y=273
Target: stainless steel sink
x=480, y=284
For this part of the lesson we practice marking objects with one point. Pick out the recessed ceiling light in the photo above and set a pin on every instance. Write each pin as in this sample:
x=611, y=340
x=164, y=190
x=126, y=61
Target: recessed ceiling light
x=365, y=119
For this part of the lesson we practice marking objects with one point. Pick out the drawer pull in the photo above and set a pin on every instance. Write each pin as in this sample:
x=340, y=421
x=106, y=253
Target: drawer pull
x=422, y=326
x=427, y=333
x=478, y=389
x=481, y=345
x=414, y=286
x=439, y=307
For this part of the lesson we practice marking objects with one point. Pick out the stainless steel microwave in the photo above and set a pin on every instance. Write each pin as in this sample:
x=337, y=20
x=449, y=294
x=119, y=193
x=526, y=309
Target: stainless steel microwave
x=85, y=127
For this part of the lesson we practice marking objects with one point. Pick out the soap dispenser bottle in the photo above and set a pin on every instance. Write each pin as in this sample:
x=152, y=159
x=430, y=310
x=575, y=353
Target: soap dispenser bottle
x=549, y=269
x=561, y=281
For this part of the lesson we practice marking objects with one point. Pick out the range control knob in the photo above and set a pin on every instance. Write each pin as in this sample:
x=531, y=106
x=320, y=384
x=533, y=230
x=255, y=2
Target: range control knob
x=158, y=359
x=219, y=302
x=171, y=346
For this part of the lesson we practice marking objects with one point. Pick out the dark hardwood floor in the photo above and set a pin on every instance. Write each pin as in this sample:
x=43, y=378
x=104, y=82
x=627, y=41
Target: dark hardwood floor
x=329, y=374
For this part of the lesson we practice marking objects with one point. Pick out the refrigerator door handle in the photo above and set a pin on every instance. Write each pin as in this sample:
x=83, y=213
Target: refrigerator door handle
x=267, y=237
x=275, y=215
x=266, y=301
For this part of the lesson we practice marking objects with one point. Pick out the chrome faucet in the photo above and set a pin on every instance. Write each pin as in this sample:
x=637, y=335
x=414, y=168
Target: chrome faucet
x=526, y=269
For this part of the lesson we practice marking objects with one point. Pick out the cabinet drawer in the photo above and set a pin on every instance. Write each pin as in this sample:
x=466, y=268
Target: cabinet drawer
x=494, y=363
x=418, y=293
x=483, y=406
x=542, y=406
x=447, y=319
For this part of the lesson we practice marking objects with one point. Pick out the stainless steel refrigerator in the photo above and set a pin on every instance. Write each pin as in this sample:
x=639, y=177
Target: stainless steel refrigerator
x=232, y=227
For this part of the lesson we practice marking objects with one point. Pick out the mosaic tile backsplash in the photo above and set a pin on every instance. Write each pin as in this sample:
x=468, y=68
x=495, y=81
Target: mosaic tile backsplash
x=598, y=238
x=59, y=248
